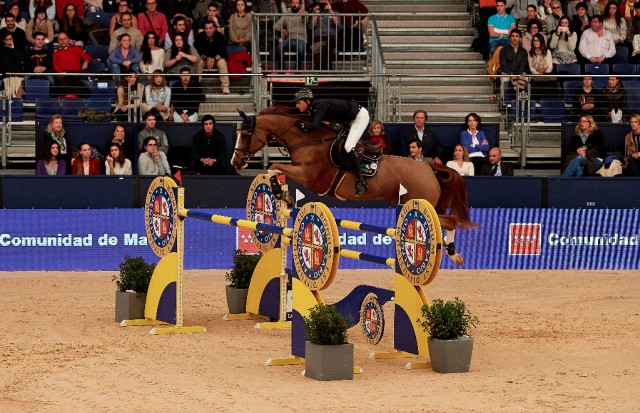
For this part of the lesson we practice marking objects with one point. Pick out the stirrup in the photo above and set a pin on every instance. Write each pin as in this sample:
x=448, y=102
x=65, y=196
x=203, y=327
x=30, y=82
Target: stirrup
x=361, y=187
x=276, y=188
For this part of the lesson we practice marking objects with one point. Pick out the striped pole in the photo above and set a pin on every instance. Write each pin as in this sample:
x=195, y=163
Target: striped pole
x=361, y=256
x=360, y=226
x=234, y=222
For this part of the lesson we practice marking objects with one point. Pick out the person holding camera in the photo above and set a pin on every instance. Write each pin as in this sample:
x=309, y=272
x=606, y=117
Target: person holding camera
x=563, y=43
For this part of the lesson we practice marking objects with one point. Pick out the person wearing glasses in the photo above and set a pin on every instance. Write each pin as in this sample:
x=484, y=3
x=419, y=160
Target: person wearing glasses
x=116, y=20
x=152, y=161
x=553, y=20
x=153, y=20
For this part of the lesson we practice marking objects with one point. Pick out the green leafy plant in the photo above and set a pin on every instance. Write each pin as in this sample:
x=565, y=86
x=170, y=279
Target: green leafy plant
x=242, y=271
x=135, y=275
x=447, y=320
x=325, y=326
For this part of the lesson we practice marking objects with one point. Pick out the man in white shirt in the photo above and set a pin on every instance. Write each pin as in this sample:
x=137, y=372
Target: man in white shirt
x=596, y=43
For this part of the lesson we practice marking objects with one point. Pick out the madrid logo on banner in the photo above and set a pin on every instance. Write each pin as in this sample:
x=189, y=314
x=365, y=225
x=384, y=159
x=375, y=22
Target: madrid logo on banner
x=525, y=239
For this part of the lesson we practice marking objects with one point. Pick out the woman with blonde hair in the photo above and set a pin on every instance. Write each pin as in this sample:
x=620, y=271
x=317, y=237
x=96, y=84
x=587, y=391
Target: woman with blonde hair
x=55, y=131
x=157, y=96
x=632, y=147
x=460, y=162
x=586, y=147
x=376, y=133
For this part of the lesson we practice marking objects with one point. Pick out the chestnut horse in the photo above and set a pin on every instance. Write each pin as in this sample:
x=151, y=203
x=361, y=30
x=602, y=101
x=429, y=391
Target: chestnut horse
x=311, y=167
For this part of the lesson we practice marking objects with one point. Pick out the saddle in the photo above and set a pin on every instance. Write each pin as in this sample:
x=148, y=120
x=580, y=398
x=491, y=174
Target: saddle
x=370, y=154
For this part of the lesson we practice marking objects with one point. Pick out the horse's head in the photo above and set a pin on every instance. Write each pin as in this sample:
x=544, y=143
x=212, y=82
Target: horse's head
x=249, y=141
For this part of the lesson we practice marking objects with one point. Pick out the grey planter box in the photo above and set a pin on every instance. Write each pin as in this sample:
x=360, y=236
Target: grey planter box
x=328, y=362
x=236, y=299
x=129, y=306
x=450, y=356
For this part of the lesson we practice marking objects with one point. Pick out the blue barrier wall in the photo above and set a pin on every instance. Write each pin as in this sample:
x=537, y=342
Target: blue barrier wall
x=530, y=238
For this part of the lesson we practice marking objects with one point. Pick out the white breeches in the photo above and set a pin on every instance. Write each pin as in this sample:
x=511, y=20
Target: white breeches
x=357, y=128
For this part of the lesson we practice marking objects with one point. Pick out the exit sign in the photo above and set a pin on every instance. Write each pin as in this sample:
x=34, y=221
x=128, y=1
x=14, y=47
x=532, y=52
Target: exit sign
x=311, y=81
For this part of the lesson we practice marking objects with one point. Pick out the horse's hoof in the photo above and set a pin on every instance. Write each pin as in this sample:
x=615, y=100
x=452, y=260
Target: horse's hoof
x=276, y=188
x=288, y=199
x=457, y=259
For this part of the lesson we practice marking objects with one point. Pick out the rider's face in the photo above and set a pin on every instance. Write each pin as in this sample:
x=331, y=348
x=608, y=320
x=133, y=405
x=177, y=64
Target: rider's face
x=414, y=150
x=302, y=105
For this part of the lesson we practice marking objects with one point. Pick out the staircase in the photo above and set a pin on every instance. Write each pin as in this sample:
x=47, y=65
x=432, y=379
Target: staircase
x=433, y=37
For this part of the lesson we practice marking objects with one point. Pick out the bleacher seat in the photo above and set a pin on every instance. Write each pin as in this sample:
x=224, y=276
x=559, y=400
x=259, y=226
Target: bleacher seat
x=597, y=69
x=569, y=88
x=568, y=69
x=552, y=110
x=104, y=88
x=532, y=110
x=36, y=89
x=99, y=52
x=624, y=68
x=45, y=108
x=96, y=67
x=622, y=55
x=99, y=103
x=70, y=108
x=633, y=98
x=17, y=110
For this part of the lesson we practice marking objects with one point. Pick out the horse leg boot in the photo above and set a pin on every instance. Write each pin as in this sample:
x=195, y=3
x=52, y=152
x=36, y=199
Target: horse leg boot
x=451, y=248
x=361, y=184
x=276, y=187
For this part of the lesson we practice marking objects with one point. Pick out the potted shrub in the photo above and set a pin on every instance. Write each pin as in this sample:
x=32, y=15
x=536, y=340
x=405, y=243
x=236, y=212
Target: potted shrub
x=450, y=346
x=328, y=355
x=132, y=284
x=239, y=279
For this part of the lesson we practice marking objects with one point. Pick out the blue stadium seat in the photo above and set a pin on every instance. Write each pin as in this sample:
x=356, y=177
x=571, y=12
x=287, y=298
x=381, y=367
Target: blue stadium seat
x=103, y=88
x=624, y=68
x=71, y=107
x=569, y=88
x=103, y=104
x=17, y=110
x=552, y=110
x=622, y=55
x=633, y=99
x=96, y=67
x=47, y=107
x=532, y=111
x=568, y=69
x=597, y=69
x=99, y=53
x=36, y=89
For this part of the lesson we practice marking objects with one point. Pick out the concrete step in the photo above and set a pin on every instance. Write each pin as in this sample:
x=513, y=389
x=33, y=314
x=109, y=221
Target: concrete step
x=391, y=54
x=424, y=63
x=420, y=30
x=468, y=81
x=417, y=7
x=464, y=99
x=486, y=90
x=426, y=48
x=422, y=20
x=435, y=70
x=444, y=107
x=225, y=107
x=426, y=39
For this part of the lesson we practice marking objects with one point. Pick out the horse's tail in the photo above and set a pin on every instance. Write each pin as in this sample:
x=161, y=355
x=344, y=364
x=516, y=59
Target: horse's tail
x=453, y=197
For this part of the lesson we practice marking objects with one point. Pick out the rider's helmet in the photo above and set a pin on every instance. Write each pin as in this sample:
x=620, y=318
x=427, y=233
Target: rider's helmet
x=303, y=93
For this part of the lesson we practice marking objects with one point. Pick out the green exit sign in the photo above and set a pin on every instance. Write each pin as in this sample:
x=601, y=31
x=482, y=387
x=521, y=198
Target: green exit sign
x=311, y=80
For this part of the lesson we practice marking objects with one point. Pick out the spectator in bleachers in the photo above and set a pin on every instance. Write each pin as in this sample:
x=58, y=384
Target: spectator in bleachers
x=563, y=43
x=153, y=20
x=118, y=137
x=540, y=63
x=626, y=9
x=523, y=23
x=431, y=148
x=595, y=7
x=596, y=44
x=149, y=130
x=40, y=24
x=500, y=26
x=495, y=166
x=350, y=32
x=124, y=57
x=634, y=26
x=415, y=151
x=614, y=100
x=110, y=6
x=181, y=55
x=17, y=34
x=376, y=134
x=152, y=54
x=61, y=8
x=71, y=24
x=552, y=20
x=514, y=60
x=460, y=162
x=635, y=55
x=157, y=97
x=293, y=29
x=614, y=23
x=84, y=164
x=518, y=8
x=178, y=7
x=152, y=161
x=200, y=10
x=186, y=97
x=632, y=147
x=116, y=22
x=134, y=34
x=585, y=147
x=544, y=10
x=49, y=6
x=116, y=163
x=56, y=133
x=209, y=149
x=124, y=100
x=586, y=100
x=11, y=58
x=580, y=22
x=212, y=47
x=50, y=162
x=14, y=9
x=240, y=27
x=212, y=16
x=533, y=27
x=39, y=59
x=474, y=140
x=571, y=8
x=178, y=27
x=324, y=27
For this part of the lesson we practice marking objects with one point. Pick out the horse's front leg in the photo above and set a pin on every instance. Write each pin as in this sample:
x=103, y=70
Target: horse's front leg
x=448, y=224
x=291, y=172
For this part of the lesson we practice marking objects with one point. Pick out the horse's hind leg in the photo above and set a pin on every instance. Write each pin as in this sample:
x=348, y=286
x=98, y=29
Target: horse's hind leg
x=448, y=222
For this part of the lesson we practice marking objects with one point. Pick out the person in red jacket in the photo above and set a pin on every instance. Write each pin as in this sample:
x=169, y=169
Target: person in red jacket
x=84, y=164
x=153, y=20
x=69, y=59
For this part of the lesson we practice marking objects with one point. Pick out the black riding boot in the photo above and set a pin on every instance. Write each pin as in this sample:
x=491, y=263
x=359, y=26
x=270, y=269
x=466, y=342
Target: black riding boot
x=361, y=184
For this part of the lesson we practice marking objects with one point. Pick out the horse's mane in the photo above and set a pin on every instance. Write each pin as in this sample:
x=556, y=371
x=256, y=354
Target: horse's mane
x=280, y=110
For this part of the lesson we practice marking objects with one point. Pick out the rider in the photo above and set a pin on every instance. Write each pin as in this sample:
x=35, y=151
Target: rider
x=337, y=110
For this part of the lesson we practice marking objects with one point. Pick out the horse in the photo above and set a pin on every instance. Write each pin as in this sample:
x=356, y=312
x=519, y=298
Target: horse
x=312, y=168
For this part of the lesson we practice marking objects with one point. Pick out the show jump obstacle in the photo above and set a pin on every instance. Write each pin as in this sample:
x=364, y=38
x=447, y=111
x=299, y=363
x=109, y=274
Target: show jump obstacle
x=314, y=240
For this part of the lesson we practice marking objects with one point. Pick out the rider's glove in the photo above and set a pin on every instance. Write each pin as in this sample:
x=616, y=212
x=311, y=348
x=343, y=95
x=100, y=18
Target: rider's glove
x=300, y=125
